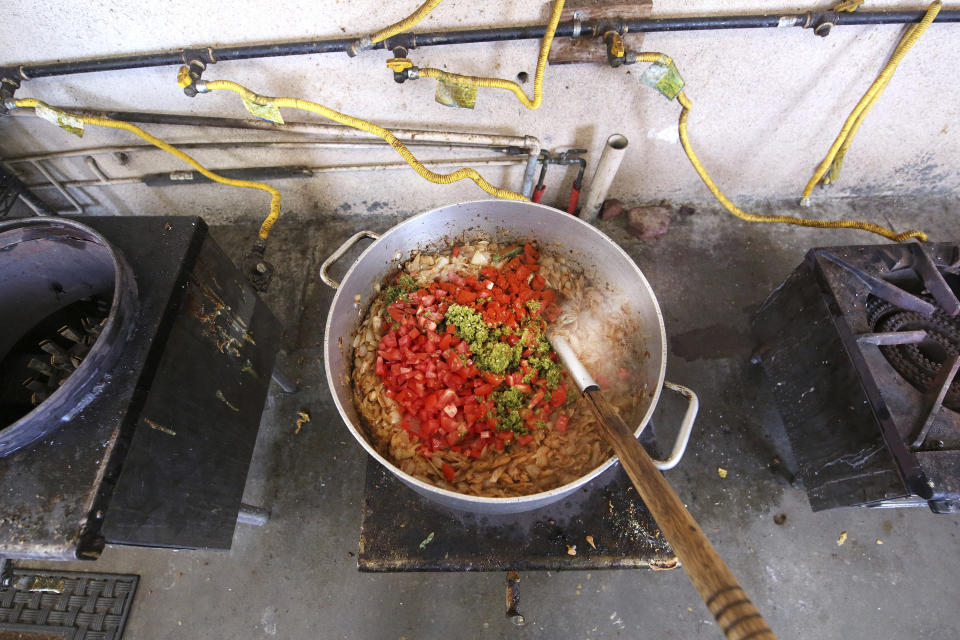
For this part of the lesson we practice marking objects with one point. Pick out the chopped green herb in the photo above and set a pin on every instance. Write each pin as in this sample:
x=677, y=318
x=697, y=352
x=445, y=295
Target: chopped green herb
x=426, y=541
x=405, y=284
x=509, y=254
x=489, y=354
x=551, y=371
x=516, y=352
x=543, y=347
x=470, y=325
x=553, y=378
x=509, y=399
x=495, y=357
x=511, y=421
x=391, y=295
x=508, y=402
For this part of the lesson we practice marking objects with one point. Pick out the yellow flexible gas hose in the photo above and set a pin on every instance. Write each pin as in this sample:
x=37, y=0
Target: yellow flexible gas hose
x=848, y=5
x=834, y=158
x=750, y=217
x=498, y=83
x=369, y=127
x=650, y=56
x=160, y=144
x=406, y=23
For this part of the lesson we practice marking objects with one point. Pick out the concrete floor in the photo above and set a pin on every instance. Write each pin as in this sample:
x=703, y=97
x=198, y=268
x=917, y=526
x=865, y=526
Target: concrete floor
x=297, y=577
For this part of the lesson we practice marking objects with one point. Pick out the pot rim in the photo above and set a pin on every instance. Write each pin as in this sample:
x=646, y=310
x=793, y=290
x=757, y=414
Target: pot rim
x=386, y=237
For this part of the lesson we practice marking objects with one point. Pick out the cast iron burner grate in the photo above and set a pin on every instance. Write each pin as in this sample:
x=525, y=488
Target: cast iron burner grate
x=42, y=360
x=919, y=362
x=861, y=346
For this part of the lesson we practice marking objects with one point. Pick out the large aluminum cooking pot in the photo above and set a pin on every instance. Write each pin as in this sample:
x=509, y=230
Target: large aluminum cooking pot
x=503, y=221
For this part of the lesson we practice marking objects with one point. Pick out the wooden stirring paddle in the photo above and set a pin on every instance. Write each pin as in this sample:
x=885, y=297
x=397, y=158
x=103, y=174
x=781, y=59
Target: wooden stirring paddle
x=735, y=614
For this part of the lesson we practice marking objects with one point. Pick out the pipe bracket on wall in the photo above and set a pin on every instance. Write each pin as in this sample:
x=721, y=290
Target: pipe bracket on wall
x=10, y=78
x=821, y=23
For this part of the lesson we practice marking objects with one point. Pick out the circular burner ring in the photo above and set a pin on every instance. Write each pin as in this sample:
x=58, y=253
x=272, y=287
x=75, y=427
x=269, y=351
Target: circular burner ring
x=918, y=363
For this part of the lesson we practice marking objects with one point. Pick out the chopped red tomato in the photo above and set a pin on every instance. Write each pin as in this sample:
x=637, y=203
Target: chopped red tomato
x=559, y=396
x=537, y=397
x=530, y=253
x=484, y=389
x=446, y=400
x=448, y=472
x=493, y=378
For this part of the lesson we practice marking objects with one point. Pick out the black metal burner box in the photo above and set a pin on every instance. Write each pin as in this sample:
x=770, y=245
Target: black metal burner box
x=860, y=347
x=160, y=457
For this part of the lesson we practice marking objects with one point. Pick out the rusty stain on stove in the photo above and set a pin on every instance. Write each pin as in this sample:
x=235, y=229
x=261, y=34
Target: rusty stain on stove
x=42, y=584
x=513, y=599
x=222, y=398
x=664, y=564
x=159, y=427
x=248, y=368
x=227, y=328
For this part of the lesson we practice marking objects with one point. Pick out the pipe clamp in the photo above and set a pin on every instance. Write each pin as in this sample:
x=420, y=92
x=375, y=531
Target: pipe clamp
x=577, y=25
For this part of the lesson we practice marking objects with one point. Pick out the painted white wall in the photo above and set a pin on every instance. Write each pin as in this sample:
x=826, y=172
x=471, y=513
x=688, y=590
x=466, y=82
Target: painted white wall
x=767, y=103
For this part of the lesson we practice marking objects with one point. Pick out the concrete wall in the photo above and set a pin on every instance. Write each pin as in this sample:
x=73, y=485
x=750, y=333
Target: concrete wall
x=767, y=103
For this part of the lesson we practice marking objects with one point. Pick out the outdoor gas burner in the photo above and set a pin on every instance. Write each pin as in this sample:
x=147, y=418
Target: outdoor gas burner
x=135, y=361
x=861, y=347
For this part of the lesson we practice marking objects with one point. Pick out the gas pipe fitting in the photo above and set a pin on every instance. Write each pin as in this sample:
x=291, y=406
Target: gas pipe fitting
x=821, y=23
x=259, y=272
x=359, y=46
x=195, y=63
x=616, y=51
x=10, y=78
x=402, y=66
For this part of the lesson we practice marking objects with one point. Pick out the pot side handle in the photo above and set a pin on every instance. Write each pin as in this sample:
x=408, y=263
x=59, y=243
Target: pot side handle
x=342, y=249
x=686, y=426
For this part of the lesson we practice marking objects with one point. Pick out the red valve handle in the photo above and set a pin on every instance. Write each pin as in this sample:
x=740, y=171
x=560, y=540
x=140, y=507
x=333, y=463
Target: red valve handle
x=574, y=200
x=538, y=193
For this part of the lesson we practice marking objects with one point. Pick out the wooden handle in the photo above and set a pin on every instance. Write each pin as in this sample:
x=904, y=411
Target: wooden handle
x=723, y=595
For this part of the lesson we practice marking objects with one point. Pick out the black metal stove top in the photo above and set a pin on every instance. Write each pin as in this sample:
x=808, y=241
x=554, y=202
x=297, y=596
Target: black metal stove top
x=402, y=531
x=861, y=346
x=160, y=457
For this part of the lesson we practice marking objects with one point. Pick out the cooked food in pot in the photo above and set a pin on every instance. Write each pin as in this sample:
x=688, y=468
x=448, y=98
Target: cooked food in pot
x=458, y=385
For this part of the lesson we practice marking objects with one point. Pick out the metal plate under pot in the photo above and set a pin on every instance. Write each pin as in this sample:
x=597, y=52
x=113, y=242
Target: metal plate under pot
x=601, y=259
